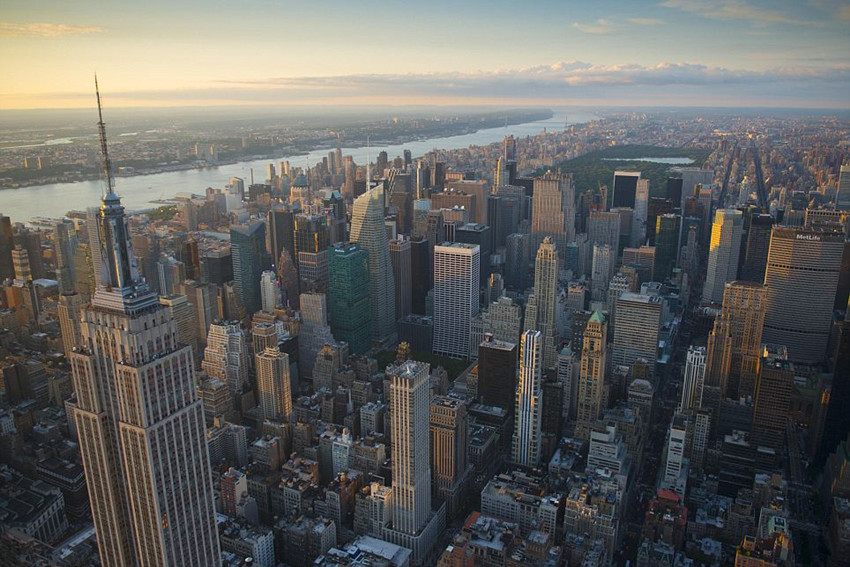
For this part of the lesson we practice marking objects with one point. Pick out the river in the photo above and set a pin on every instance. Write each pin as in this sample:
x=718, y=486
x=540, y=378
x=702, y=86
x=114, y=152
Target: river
x=137, y=193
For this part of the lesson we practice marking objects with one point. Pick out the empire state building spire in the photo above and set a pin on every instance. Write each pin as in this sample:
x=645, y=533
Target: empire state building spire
x=120, y=285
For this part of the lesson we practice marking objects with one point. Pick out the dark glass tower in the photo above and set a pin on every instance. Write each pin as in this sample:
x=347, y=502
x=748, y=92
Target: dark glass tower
x=758, y=243
x=348, y=296
x=666, y=245
x=248, y=249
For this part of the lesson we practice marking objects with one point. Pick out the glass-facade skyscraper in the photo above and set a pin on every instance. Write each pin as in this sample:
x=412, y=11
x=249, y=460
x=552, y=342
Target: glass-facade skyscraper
x=348, y=296
x=666, y=245
x=367, y=230
x=248, y=249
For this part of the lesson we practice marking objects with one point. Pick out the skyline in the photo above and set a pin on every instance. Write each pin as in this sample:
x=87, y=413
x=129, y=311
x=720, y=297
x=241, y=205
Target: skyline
x=670, y=53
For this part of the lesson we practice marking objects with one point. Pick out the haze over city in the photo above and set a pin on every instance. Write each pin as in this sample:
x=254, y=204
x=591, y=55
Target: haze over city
x=254, y=52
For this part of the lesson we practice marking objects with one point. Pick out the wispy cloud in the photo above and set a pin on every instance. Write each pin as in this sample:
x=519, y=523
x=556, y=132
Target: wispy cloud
x=559, y=75
x=646, y=21
x=735, y=10
x=8, y=29
x=564, y=82
x=600, y=27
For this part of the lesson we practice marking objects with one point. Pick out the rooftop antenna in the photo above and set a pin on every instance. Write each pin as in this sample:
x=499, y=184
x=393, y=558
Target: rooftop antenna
x=107, y=163
x=368, y=165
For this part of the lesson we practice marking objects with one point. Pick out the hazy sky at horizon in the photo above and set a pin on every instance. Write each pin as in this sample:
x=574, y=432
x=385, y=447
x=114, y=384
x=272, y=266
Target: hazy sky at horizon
x=495, y=52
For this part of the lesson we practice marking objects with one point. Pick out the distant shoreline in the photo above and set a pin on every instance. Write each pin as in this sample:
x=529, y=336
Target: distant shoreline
x=511, y=120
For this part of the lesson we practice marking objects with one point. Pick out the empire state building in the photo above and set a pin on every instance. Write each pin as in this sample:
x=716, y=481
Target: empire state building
x=140, y=423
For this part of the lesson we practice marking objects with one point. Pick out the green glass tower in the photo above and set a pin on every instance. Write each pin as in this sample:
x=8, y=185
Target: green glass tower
x=348, y=296
x=666, y=245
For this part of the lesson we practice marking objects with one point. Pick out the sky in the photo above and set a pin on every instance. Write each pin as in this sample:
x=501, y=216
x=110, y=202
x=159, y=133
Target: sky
x=749, y=53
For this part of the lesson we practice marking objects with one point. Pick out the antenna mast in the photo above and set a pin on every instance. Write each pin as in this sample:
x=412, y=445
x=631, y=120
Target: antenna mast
x=368, y=165
x=107, y=163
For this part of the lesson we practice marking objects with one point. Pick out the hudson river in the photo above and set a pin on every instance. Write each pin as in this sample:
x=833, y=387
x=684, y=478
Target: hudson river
x=137, y=193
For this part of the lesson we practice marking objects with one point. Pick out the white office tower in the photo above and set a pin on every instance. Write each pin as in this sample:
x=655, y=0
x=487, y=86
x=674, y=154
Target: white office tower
x=456, y=285
x=842, y=197
x=726, y=235
x=604, y=264
x=368, y=230
x=540, y=311
x=269, y=291
x=676, y=468
x=529, y=402
x=554, y=209
x=638, y=326
x=414, y=525
x=273, y=385
x=694, y=379
x=641, y=212
x=139, y=421
x=226, y=356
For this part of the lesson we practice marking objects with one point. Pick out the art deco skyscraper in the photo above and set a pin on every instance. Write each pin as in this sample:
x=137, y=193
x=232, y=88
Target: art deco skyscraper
x=449, y=462
x=529, y=402
x=803, y=267
x=139, y=421
x=591, y=374
x=554, y=209
x=456, y=284
x=410, y=416
x=726, y=235
x=414, y=525
x=734, y=344
x=273, y=384
x=269, y=291
x=540, y=311
x=367, y=230
x=226, y=355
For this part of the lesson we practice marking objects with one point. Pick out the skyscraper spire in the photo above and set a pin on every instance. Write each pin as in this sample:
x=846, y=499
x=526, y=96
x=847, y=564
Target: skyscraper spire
x=107, y=163
x=120, y=285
